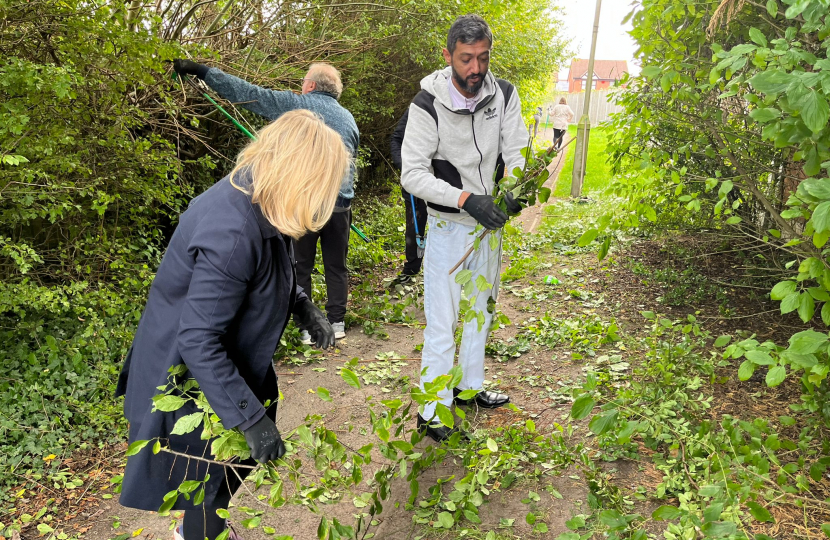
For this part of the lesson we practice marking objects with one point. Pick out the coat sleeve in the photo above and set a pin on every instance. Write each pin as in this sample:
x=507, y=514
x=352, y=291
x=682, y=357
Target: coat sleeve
x=226, y=255
x=262, y=101
x=396, y=141
x=514, y=135
x=420, y=144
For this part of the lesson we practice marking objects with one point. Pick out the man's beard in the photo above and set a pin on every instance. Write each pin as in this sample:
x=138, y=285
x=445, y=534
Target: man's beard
x=471, y=88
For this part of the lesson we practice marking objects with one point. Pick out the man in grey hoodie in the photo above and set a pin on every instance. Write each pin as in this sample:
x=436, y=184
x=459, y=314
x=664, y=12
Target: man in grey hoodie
x=464, y=126
x=321, y=88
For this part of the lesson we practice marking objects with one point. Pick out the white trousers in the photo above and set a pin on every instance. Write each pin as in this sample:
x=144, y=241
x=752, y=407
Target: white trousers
x=446, y=242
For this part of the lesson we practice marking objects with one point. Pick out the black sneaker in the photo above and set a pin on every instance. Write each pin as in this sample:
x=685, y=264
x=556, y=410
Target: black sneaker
x=401, y=279
x=438, y=432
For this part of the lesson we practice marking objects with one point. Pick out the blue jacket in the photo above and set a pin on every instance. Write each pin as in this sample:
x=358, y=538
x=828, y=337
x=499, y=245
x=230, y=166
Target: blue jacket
x=273, y=103
x=219, y=304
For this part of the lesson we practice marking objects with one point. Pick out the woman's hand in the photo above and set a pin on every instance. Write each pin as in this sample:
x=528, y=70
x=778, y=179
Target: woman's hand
x=264, y=440
x=315, y=323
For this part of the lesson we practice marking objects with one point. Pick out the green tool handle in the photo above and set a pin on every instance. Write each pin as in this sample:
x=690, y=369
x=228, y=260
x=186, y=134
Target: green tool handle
x=231, y=118
x=251, y=136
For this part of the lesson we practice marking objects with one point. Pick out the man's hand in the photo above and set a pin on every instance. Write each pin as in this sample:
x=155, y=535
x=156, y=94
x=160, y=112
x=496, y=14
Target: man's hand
x=514, y=207
x=315, y=323
x=182, y=66
x=485, y=211
x=264, y=440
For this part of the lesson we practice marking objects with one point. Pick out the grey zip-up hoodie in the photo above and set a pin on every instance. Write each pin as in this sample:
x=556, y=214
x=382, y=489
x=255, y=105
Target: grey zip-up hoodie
x=446, y=150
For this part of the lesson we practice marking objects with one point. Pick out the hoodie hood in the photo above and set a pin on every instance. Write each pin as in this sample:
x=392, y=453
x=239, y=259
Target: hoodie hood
x=436, y=84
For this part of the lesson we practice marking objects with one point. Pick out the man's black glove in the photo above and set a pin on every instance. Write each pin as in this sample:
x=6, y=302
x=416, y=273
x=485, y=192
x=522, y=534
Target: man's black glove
x=182, y=66
x=264, y=440
x=313, y=321
x=513, y=206
x=485, y=211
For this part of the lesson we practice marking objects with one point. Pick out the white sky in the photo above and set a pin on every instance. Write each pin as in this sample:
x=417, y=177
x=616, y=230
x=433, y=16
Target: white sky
x=613, y=41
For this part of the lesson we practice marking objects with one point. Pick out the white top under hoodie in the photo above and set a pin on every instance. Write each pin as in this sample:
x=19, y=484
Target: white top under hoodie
x=447, y=150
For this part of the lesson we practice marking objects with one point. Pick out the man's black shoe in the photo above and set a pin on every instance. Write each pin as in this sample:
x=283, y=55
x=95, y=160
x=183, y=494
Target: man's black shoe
x=438, y=432
x=401, y=279
x=486, y=399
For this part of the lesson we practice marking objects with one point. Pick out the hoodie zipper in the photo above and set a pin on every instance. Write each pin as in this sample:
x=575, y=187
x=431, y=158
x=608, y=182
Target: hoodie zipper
x=473, y=127
x=480, y=155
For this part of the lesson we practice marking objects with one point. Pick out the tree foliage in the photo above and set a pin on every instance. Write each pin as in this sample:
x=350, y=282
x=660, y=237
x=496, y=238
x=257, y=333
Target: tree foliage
x=727, y=126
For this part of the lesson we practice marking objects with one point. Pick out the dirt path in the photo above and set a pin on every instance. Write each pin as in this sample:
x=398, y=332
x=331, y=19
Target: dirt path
x=532, y=217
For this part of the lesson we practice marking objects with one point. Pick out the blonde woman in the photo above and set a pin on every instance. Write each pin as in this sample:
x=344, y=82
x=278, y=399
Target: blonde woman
x=562, y=116
x=220, y=301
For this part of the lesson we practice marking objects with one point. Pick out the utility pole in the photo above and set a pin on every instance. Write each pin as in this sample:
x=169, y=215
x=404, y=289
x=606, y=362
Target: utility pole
x=583, y=130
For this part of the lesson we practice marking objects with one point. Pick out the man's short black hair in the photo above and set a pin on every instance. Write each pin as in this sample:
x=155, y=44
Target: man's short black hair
x=468, y=29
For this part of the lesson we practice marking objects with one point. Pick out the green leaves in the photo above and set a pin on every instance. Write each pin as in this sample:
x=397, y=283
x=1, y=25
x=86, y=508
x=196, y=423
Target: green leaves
x=807, y=342
x=666, y=513
x=587, y=237
x=135, y=447
x=814, y=111
x=651, y=71
x=187, y=423
x=168, y=402
x=445, y=520
x=463, y=277
x=783, y=289
x=350, y=377
x=444, y=415
x=746, y=369
x=776, y=375
x=758, y=37
x=582, y=406
x=817, y=187
x=603, y=423
x=722, y=341
x=765, y=114
x=770, y=81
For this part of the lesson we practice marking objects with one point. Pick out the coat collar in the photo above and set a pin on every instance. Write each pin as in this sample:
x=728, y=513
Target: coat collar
x=265, y=227
x=323, y=93
x=242, y=182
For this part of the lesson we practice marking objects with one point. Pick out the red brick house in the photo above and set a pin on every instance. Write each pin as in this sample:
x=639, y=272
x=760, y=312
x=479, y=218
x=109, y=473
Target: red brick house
x=606, y=73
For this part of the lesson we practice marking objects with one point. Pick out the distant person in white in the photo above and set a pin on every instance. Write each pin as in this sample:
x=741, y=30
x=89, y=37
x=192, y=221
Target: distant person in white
x=562, y=116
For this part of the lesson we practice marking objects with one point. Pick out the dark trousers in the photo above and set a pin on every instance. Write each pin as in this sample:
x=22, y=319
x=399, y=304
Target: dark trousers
x=413, y=263
x=558, y=137
x=334, y=243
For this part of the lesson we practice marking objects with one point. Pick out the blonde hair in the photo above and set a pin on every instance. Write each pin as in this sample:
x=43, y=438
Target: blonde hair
x=327, y=78
x=296, y=165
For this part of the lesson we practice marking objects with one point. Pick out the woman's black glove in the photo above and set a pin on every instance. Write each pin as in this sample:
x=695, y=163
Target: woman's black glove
x=513, y=206
x=189, y=67
x=485, y=211
x=313, y=321
x=264, y=440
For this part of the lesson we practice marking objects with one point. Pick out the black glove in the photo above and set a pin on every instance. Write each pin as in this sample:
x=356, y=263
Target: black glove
x=485, y=211
x=264, y=440
x=182, y=66
x=313, y=321
x=513, y=206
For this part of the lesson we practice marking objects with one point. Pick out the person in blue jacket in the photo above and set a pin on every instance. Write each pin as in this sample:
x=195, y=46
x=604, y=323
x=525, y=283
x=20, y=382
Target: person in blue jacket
x=219, y=303
x=321, y=89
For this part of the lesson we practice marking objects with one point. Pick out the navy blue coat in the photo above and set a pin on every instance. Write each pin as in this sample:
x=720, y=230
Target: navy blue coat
x=219, y=304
